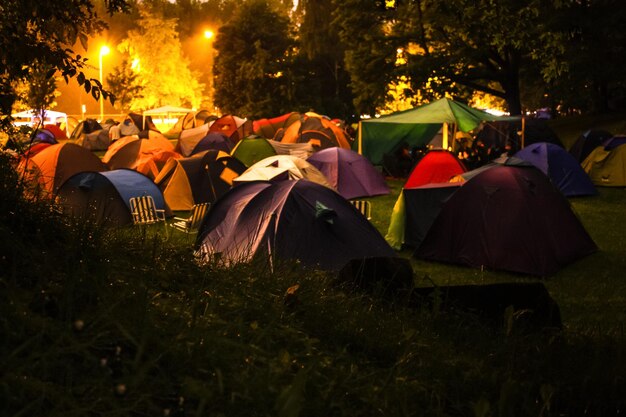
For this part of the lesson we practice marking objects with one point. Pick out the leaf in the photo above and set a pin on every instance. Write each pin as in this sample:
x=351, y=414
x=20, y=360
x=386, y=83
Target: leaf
x=80, y=78
x=87, y=86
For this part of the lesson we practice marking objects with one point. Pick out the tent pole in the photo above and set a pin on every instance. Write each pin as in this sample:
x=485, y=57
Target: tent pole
x=444, y=141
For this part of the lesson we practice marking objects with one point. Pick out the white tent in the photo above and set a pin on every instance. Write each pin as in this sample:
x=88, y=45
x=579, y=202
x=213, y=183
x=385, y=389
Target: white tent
x=51, y=117
x=167, y=112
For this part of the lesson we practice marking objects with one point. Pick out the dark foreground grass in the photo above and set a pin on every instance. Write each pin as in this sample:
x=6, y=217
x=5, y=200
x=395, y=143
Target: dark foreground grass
x=97, y=322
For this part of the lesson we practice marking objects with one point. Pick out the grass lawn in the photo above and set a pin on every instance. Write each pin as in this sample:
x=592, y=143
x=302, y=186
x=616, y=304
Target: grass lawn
x=125, y=322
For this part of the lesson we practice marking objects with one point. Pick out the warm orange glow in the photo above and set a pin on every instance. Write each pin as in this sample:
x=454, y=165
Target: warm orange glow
x=208, y=34
x=104, y=50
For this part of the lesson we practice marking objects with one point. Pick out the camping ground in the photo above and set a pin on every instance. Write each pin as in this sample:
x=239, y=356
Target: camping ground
x=98, y=322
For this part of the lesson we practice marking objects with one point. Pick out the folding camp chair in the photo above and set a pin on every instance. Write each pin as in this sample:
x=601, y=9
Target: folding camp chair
x=365, y=207
x=144, y=211
x=192, y=223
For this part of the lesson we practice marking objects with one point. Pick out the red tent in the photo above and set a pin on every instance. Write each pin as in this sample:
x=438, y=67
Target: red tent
x=435, y=167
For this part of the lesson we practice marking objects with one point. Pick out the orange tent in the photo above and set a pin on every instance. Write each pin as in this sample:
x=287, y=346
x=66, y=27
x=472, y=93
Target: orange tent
x=50, y=167
x=267, y=128
x=318, y=131
x=234, y=127
x=147, y=156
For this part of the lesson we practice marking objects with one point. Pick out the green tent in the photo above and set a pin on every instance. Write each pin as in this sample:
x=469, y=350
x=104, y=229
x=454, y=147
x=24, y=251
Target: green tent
x=252, y=149
x=416, y=127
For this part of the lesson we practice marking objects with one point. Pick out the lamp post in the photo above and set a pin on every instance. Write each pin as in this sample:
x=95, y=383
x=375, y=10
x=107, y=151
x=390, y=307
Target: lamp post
x=208, y=34
x=104, y=50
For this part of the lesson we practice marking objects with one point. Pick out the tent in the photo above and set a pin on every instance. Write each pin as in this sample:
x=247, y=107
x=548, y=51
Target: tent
x=189, y=138
x=50, y=118
x=317, y=131
x=288, y=220
x=587, y=142
x=613, y=142
x=283, y=167
x=435, y=166
x=234, y=127
x=302, y=150
x=104, y=196
x=560, y=166
x=190, y=121
x=509, y=218
x=53, y=165
x=84, y=127
x=251, y=150
x=45, y=136
x=267, y=128
x=143, y=155
x=97, y=140
x=349, y=173
x=517, y=132
x=202, y=178
x=58, y=133
x=606, y=168
x=34, y=149
x=166, y=112
x=415, y=127
x=414, y=212
x=214, y=140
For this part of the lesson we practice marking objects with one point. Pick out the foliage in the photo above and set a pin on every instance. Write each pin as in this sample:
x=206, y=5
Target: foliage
x=38, y=91
x=124, y=83
x=154, y=51
x=532, y=53
x=35, y=31
x=369, y=54
x=321, y=81
x=252, y=57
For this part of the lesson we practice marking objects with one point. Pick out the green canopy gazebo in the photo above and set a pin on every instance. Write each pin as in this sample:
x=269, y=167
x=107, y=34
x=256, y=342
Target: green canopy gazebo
x=416, y=127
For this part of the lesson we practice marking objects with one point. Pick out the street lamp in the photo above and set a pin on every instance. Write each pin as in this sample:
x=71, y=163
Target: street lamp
x=208, y=34
x=104, y=50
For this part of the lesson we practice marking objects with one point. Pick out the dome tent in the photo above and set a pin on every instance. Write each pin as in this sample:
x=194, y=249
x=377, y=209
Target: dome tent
x=288, y=220
x=104, y=196
x=539, y=235
x=202, y=178
x=560, y=166
x=351, y=174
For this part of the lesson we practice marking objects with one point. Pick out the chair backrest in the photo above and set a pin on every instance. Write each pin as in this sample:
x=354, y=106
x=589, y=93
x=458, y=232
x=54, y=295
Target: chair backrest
x=365, y=207
x=197, y=215
x=144, y=211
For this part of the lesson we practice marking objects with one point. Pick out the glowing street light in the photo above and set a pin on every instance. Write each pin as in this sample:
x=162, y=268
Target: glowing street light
x=104, y=50
x=209, y=34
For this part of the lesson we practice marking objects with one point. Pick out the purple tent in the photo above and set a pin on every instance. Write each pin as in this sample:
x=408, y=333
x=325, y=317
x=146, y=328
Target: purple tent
x=289, y=220
x=587, y=142
x=508, y=218
x=214, y=140
x=563, y=169
x=352, y=175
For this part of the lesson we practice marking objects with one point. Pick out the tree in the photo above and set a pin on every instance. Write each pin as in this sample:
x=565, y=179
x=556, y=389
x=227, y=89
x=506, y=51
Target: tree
x=44, y=31
x=320, y=62
x=154, y=54
x=124, y=83
x=479, y=45
x=585, y=69
x=38, y=91
x=251, y=61
x=369, y=53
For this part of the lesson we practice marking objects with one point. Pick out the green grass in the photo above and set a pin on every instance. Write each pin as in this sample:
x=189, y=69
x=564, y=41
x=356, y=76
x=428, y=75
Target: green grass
x=100, y=322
